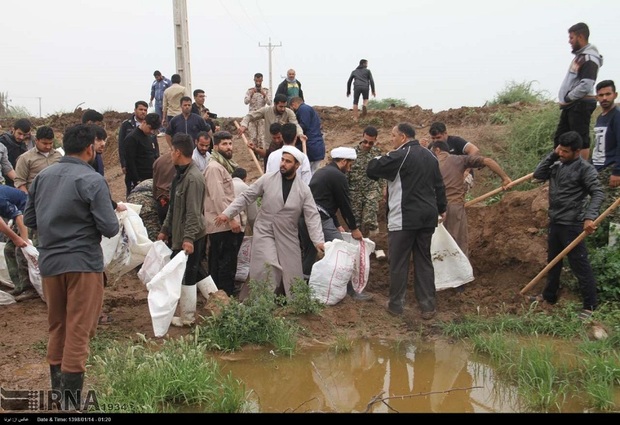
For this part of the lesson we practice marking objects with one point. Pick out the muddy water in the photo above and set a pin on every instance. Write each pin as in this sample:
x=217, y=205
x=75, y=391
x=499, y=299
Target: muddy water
x=374, y=376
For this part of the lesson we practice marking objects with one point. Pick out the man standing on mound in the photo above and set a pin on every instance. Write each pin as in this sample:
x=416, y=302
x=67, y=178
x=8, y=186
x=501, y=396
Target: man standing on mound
x=364, y=83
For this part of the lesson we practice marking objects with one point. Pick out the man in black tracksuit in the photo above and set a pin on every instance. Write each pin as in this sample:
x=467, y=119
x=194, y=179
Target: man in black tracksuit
x=416, y=197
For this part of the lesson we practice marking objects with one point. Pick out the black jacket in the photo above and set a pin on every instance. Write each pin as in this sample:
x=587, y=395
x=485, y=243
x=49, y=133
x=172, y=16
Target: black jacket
x=569, y=186
x=330, y=190
x=283, y=89
x=416, y=192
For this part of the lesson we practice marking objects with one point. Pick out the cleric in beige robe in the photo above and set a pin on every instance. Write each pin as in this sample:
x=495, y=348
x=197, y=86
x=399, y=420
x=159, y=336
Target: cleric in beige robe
x=275, y=252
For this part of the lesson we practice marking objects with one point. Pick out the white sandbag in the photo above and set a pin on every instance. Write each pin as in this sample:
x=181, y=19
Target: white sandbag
x=164, y=293
x=330, y=275
x=452, y=267
x=155, y=260
x=133, y=243
x=5, y=277
x=243, y=259
x=365, y=247
x=32, y=256
x=6, y=298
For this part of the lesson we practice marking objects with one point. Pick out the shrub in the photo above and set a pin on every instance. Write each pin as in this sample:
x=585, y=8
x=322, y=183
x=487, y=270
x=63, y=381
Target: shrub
x=519, y=92
x=387, y=103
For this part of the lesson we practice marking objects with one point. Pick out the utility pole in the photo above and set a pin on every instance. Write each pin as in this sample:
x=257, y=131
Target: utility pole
x=270, y=47
x=181, y=41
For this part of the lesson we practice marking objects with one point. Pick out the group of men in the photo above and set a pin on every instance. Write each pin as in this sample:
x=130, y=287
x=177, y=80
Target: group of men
x=63, y=203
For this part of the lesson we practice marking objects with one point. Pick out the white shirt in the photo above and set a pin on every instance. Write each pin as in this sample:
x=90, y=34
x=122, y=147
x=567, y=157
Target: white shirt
x=200, y=160
x=273, y=164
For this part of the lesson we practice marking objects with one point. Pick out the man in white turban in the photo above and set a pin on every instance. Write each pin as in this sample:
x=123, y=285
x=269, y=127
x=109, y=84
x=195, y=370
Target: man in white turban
x=330, y=189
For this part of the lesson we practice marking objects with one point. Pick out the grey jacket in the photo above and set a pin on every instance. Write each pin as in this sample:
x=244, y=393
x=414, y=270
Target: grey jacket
x=363, y=79
x=569, y=186
x=581, y=75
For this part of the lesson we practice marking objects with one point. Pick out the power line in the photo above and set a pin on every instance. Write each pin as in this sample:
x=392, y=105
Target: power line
x=270, y=47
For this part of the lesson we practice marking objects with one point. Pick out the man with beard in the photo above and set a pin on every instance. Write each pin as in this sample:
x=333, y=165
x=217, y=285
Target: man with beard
x=275, y=253
x=69, y=206
x=257, y=97
x=220, y=192
x=271, y=114
x=606, y=155
x=15, y=143
x=576, y=95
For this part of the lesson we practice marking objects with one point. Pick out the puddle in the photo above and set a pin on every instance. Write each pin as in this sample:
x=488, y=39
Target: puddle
x=374, y=376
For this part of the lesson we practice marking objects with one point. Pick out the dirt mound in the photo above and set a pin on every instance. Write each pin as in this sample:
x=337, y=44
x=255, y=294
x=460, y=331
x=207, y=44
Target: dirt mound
x=507, y=241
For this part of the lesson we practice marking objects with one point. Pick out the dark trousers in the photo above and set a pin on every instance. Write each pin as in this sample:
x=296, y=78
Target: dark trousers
x=193, y=261
x=401, y=245
x=129, y=185
x=223, y=251
x=560, y=236
x=576, y=117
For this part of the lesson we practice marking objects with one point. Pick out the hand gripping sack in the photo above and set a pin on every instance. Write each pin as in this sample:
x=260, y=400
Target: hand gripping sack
x=164, y=293
x=452, y=267
x=132, y=246
x=32, y=256
x=330, y=275
x=365, y=247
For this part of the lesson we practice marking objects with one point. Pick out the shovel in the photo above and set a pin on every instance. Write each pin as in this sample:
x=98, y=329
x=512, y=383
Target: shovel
x=247, y=144
x=569, y=248
x=498, y=190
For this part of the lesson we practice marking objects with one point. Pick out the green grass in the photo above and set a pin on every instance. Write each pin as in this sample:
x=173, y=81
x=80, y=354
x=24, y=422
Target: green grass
x=150, y=377
x=549, y=356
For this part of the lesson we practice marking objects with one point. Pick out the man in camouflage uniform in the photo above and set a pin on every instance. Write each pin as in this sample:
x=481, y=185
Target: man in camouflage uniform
x=365, y=193
x=142, y=194
x=256, y=97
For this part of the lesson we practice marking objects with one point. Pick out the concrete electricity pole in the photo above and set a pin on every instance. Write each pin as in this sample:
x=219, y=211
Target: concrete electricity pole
x=181, y=41
x=270, y=47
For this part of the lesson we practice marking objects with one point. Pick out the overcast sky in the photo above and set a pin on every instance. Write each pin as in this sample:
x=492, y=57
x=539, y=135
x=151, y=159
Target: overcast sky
x=435, y=54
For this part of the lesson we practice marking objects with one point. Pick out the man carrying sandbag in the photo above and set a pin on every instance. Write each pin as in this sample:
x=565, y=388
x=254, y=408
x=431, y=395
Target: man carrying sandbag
x=330, y=189
x=184, y=223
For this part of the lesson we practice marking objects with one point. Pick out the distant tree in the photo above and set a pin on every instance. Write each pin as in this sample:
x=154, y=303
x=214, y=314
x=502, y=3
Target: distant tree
x=387, y=103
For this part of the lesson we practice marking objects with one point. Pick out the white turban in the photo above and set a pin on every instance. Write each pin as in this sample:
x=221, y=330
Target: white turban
x=299, y=155
x=343, y=153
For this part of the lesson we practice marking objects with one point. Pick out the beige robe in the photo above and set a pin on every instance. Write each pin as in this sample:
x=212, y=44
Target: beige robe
x=275, y=253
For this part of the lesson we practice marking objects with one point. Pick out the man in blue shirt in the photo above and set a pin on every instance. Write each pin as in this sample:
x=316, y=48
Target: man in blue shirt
x=12, y=204
x=158, y=87
x=310, y=123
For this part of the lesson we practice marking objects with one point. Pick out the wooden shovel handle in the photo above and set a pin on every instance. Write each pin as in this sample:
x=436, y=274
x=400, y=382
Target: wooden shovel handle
x=247, y=144
x=498, y=190
x=566, y=250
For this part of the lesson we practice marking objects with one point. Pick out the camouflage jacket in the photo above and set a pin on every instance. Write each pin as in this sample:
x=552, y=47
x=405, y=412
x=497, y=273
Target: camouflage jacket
x=358, y=180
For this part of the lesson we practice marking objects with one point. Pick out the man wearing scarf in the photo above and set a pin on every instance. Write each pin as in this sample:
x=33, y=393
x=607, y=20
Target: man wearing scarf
x=220, y=192
x=291, y=87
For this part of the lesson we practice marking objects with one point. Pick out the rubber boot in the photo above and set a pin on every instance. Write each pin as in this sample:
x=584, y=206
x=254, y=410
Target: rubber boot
x=187, y=306
x=55, y=375
x=71, y=389
x=206, y=286
x=54, y=398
